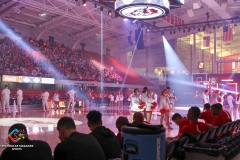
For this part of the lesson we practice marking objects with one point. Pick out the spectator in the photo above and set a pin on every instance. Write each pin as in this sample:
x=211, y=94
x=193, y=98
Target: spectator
x=105, y=136
x=31, y=150
x=75, y=145
x=121, y=121
x=138, y=118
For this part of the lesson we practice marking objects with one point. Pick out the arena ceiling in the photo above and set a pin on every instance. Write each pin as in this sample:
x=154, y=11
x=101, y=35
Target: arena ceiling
x=69, y=21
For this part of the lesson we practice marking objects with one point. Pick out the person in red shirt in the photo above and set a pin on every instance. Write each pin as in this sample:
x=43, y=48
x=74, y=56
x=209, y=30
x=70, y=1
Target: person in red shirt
x=121, y=121
x=218, y=119
x=206, y=115
x=180, y=121
x=194, y=127
x=226, y=115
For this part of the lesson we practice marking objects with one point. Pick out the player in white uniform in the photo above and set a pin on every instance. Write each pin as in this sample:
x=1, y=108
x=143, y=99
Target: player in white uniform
x=135, y=103
x=205, y=97
x=111, y=97
x=19, y=99
x=5, y=99
x=56, y=100
x=220, y=97
x=230, y=103
x=119, y=99
x=71, y=94
x=45, y=96
x=237, y=105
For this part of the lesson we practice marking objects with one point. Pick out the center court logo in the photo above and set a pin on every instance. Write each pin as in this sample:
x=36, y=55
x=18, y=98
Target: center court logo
x=16, y=135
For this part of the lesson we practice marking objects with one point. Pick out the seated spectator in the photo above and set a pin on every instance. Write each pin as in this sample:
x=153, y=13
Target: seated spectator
x=105, y=136
x=226, y=115
x=194, y=127
x=121, y=121
x=138, y=118
x=31, y=150
x=75, y=145
x=180, y=121
x=218, y=119
x=206, y=115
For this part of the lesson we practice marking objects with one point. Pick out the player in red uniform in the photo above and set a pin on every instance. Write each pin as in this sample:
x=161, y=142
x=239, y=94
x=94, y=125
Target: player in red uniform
x=206, y=115
x=218, y=119
x=194, y=127
x=226, y=115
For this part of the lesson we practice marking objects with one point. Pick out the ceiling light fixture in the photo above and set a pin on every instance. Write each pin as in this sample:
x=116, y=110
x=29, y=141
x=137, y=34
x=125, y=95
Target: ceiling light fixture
x=142, y=9
x=84, y=3
x=42, y=14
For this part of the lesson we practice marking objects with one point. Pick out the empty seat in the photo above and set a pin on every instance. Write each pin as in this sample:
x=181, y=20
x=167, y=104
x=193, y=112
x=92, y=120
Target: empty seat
x=171, y=148
x=204, y=136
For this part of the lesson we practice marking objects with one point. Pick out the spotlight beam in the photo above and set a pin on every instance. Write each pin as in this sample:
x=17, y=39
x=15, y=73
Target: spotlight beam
x=130, y=63
x=101, y=69
x=172, y=59
x=43, y=61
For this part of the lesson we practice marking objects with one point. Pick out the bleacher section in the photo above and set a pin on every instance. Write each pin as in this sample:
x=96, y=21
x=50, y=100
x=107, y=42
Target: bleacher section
x=120, y=69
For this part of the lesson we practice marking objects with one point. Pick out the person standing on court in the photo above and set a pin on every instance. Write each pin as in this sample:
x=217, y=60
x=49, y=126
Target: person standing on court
x=71, y=95
x=205, y=97
x=19, y=99
x=45, y=96
x=5, y=99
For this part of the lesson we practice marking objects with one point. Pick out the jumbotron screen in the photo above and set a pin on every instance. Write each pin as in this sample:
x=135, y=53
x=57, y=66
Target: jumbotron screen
x=142, y=9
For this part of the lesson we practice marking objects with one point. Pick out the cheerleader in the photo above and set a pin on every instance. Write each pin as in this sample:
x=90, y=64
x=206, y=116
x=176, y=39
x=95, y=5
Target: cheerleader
x=135, y=103
x=165, y=108
x=143, y=96
x=150, y=105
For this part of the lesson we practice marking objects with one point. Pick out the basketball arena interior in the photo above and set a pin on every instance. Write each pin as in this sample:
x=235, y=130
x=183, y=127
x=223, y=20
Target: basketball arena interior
x=105, y=52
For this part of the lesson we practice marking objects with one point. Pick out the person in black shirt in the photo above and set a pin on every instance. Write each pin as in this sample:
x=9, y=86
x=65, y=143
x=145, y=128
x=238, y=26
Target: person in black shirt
x=105, y=136
x=22, y=148
x=75, y=145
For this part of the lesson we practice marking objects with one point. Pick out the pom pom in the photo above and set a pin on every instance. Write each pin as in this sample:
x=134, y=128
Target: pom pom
x=217, y=91
x=142, y=105
x=154, y=105
x=219, y=99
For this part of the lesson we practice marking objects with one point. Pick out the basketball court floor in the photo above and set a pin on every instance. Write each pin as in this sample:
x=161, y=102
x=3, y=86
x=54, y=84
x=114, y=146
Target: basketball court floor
x=42, y=125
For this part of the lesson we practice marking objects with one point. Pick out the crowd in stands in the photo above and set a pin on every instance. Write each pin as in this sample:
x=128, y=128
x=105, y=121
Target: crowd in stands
x=48, y=59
